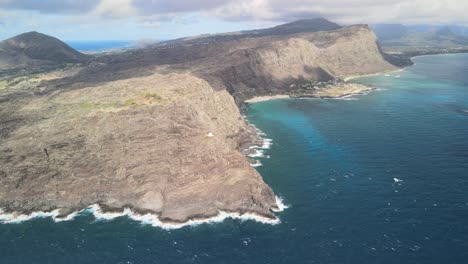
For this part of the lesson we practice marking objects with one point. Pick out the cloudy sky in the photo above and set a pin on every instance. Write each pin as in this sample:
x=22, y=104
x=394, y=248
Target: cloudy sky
x=166, y=19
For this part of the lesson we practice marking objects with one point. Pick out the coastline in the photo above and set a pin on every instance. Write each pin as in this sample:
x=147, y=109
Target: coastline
x=355, y=76
x=148, y=218
x=438, y=54
x=266, y=98
x=336, y=91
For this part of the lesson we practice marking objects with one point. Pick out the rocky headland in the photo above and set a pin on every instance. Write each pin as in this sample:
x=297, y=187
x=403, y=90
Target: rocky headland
x=158, y=129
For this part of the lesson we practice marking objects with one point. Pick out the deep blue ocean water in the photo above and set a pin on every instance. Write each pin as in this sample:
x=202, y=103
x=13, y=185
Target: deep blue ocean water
x=99, y=45
x=377, y=178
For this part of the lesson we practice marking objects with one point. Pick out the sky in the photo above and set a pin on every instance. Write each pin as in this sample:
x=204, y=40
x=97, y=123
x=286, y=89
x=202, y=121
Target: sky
x=168, y=19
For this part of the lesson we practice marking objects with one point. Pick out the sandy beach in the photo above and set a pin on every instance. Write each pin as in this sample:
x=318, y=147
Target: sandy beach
x=266, y=98
x=335, y=91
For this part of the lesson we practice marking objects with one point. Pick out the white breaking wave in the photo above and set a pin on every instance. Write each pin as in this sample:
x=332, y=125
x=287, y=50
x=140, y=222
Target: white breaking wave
x=258, y=150
x=256, y=164
x=267, y=143
x=151, y=219
x=257, y=154
x=280, y=204
x=348, y=99
x=18, y=218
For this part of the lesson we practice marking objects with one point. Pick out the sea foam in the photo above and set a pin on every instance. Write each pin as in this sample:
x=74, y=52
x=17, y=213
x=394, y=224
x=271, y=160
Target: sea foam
x=257, y=163
x=18, y=218
x=257, y=151
x=280, y=204
x=149, y=219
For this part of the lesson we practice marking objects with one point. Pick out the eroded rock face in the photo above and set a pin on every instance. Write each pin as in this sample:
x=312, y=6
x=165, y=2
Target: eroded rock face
x=167, y=144
x=268, y=66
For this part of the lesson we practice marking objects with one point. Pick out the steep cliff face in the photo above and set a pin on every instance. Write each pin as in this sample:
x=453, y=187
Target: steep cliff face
x=167, y=144
x=352, y=50
x=272, y=66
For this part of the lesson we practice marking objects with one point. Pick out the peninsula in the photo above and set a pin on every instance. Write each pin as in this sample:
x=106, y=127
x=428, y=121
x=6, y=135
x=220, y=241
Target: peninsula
x=158, y=129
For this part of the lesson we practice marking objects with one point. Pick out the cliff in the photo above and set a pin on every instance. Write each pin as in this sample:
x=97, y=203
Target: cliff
x=279, y=65
x=167, y=144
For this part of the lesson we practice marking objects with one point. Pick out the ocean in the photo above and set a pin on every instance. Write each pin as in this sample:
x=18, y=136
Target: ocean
x=99, y=45
x=375, y=178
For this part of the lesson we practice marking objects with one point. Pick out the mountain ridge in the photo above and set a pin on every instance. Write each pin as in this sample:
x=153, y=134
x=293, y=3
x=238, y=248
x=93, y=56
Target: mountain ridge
x=421, y=36
x=298, y=26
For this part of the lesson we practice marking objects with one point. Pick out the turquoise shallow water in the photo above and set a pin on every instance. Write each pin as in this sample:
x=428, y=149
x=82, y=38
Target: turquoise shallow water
x=377, y=178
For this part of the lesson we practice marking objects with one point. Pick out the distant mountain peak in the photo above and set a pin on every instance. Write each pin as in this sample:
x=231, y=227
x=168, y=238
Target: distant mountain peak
x=306, y=25
x=446, y=31
x=36, y=48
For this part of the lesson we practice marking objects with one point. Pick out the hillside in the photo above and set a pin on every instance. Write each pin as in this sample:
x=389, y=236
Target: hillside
x=33, y=48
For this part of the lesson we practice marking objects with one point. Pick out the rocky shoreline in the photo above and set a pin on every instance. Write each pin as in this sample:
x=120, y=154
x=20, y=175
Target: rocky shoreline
x=101, y=213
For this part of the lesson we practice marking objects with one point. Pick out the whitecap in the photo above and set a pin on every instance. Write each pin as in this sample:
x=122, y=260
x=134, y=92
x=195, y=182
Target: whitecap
x=256, y=164
x=148, y=218
x=267, y=143
x=15, y=218
x=256, y=154
x=280, y=203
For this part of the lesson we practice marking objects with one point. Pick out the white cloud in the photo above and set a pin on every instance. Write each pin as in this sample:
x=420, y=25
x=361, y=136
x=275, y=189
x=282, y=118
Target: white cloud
x=164, y=18
x=343, y=11
x=242, y=10
x=115, y=9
